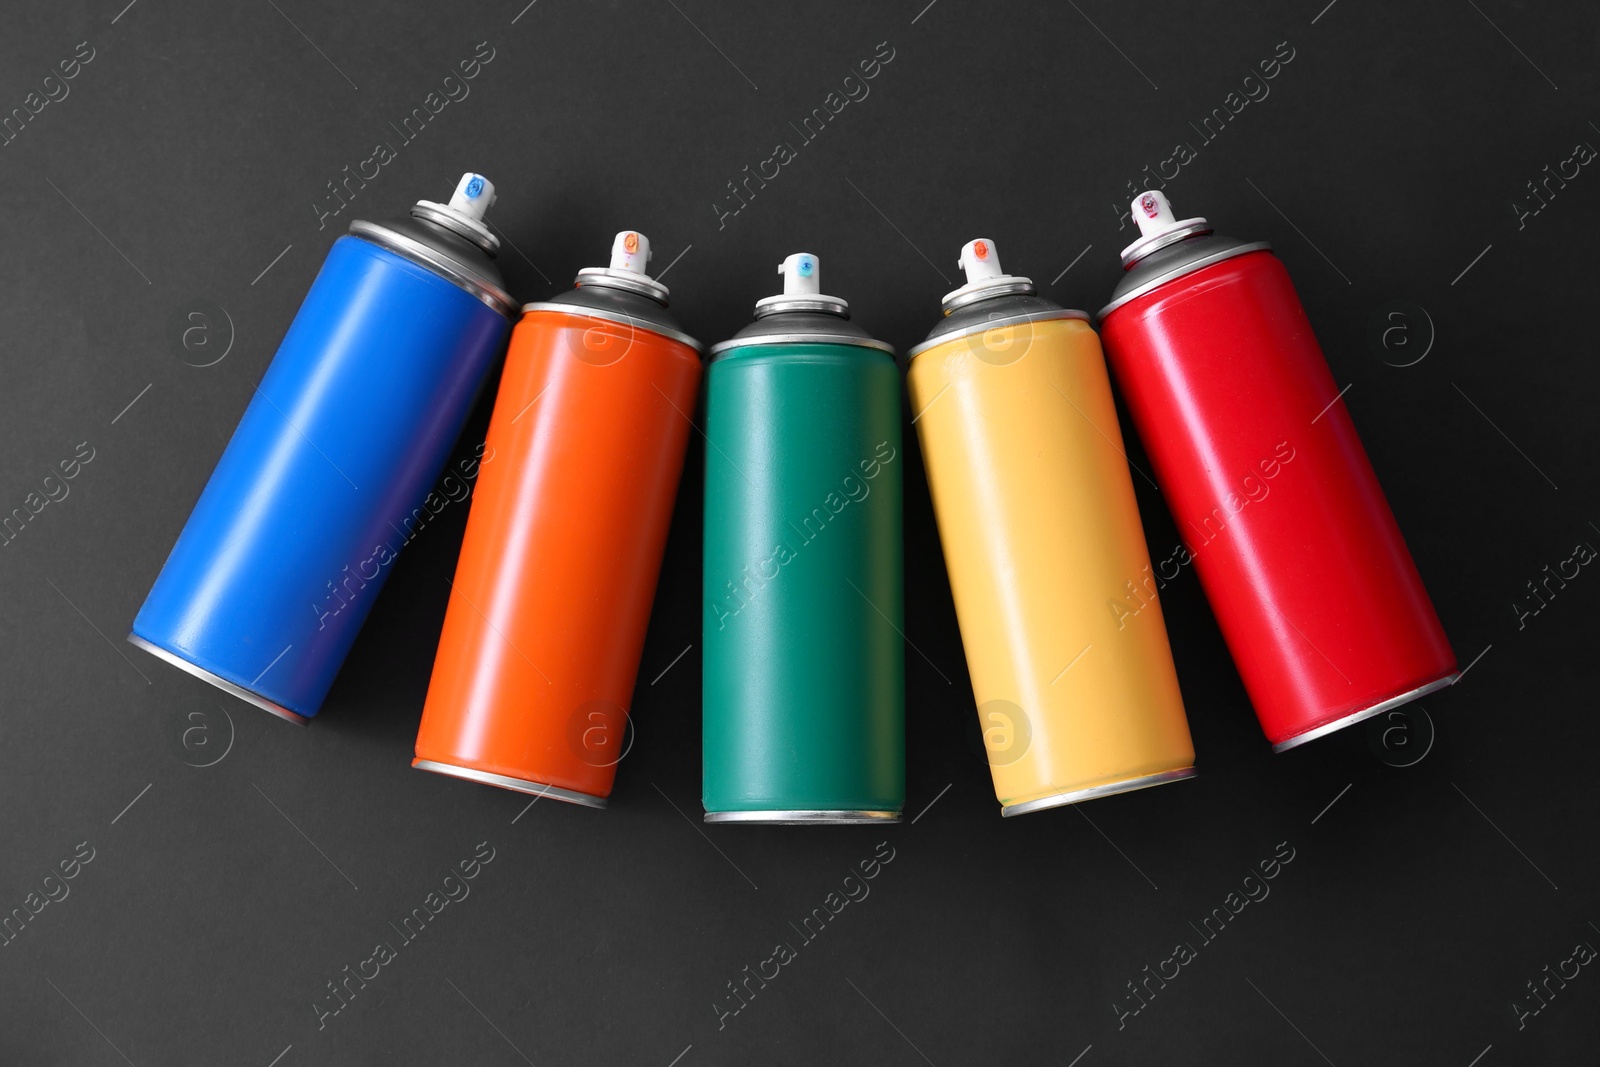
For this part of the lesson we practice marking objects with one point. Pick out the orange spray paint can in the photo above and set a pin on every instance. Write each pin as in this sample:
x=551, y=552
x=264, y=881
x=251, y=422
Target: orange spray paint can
x=552, y=595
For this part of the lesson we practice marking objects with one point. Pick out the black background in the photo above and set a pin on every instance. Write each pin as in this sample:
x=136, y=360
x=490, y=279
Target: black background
x=188, y=155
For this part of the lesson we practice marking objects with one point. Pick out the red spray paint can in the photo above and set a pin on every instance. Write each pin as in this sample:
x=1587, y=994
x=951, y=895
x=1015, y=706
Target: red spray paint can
x=1295, y=545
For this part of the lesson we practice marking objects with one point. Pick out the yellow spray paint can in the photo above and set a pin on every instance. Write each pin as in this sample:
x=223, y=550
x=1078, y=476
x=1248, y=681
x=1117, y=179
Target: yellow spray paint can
x=1076, y=691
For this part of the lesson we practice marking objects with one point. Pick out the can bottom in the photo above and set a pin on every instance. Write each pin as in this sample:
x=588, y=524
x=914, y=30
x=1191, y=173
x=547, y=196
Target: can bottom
x=519, y=785
x=1127, y=785
x=1366, y=713
x=221, y=683
x=804, y=817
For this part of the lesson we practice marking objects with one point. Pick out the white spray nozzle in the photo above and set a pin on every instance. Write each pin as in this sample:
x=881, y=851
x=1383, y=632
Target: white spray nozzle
x=630, y=251
x=1153, y=212
x=980, y=259
x=1158, y=226
x=802, y=275
x=630, y=255
x=802, y=290
x=474, y=193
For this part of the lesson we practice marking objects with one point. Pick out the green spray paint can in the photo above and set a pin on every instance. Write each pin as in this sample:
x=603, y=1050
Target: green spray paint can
x=803, y=653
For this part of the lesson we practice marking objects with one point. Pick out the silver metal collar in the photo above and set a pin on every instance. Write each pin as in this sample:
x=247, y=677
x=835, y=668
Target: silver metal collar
x=826, y=305
x=440, y=215
x=629, y=280
x=1145, y=245
x=421, y=254
x=621, y=318
x=1139, y=280
x=1005, y=285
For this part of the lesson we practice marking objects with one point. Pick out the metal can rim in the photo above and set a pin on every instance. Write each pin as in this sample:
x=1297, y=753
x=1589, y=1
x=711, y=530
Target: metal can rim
x=801, y=339
x=808, y=816
x=1094, y=792
x=420, y=254
x=628, y=281
x=1178, y=271
x=1370, y=712
x=249, y=696
x=995, y=324
x=621, y=318
x=505, y=781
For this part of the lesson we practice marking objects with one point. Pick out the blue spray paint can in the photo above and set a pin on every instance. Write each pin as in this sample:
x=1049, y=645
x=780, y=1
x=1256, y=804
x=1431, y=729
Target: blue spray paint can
x=326, y=475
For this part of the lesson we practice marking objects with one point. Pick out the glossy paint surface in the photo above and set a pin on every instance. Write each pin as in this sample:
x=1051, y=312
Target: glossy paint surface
x=1294, y=542
x=1065, y=642
x=552, y=596
x=804, y=664
x=297, y=530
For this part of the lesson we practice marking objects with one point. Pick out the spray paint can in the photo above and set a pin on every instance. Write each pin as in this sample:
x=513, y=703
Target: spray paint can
x=325, y=476
x=1076, y=692
x=803, y=657
x=551, y=599
x=1294, y=542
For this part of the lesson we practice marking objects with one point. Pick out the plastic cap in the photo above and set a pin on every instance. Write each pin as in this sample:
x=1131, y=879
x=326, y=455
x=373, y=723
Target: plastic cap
x=985, y=278
x=630, y=256
x=981, y=260
x=1158, y=226
x=802, y=275
x=630, y=251
x=802, y=290
x=1153, y=212
x=473, y=196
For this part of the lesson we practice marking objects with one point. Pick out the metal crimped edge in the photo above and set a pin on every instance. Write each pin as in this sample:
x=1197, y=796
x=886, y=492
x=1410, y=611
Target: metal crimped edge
x=1127, y=785
x=517, y=785
x=1366, y=713
x=233, y=688
x=805, y=817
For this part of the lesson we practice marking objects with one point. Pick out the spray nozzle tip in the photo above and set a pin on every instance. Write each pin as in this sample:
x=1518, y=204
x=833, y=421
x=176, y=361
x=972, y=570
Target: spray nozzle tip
x=802, y=274
x=1158, y=226
x=1153, y=212
x=630, y=251
x=980, y=259
x=473, y=196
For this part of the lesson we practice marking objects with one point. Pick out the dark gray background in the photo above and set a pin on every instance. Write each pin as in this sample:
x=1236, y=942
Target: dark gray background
x=187, y=157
